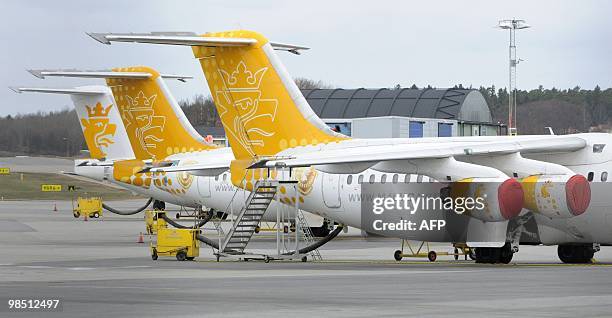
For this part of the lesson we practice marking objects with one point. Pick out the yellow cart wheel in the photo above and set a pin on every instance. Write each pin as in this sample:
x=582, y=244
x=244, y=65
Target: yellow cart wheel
x=397, y=255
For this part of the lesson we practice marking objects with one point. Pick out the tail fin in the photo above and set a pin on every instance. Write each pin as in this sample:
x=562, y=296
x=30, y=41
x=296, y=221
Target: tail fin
x=262, y=110
x=155, y=123
x=260, y=106
x=104, y=133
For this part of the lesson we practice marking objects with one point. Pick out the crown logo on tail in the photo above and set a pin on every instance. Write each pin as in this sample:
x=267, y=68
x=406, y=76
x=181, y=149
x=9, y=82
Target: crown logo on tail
x=242, y=79
x=140, y=102
x=253, y=115
x=144, y=124
x=98, y=131
x=98, y=110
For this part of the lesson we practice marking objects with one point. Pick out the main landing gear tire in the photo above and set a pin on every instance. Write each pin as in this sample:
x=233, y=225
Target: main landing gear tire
x=494, y=255
x=432, y=256
x=96, y=215
x=76, y=214
x=397, y=255
x=576, y=254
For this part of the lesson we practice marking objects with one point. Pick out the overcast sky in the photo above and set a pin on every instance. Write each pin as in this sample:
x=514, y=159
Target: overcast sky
x=354, y=43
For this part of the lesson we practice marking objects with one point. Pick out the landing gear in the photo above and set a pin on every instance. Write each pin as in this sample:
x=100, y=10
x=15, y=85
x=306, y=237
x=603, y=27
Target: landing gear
x=576, y=254
x=159, y=205
x=493, y=255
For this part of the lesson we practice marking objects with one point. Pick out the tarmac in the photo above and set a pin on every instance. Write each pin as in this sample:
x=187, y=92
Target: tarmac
x=97, y=268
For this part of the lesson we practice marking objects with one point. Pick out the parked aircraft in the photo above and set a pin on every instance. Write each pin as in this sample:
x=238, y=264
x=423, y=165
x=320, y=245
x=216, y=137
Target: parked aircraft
x=271, y=126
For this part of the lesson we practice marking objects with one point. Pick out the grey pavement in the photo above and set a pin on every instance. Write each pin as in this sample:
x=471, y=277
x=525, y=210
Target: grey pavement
x=97, y=269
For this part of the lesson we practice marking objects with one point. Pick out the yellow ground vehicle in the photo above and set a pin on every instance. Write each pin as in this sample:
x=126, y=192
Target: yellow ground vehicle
x=152, y=222
x=423, y=250
x=181, y=243
x=90, y=207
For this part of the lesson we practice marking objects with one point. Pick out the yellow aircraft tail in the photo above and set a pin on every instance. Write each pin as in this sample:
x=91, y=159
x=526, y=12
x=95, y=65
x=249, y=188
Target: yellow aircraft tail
x=261, y=108
x=155, y=124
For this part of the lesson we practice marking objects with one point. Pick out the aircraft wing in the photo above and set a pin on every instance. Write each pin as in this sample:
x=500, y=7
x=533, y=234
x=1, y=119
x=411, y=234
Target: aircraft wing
x=426, y=150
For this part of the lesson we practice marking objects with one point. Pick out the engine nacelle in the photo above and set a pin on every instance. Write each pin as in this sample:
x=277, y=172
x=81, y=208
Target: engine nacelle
x=502, y=198
x=560, y=196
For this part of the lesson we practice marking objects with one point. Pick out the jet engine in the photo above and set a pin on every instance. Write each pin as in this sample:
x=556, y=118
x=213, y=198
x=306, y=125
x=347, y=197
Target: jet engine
x=497, y=199
x=558, y=196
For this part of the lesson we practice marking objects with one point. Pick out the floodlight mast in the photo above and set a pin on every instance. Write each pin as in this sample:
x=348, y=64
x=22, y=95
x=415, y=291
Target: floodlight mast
x=512, y=25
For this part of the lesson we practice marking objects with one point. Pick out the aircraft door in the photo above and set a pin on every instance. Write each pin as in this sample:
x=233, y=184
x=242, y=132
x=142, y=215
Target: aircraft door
x=108, y=173
x=203, y=186
x=331, y=190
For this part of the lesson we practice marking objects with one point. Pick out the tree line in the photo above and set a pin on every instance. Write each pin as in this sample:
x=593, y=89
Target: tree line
x=58, y=133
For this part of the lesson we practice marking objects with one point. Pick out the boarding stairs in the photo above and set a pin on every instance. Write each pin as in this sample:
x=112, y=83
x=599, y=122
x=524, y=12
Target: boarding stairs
x=308, y=236
x=247, y=220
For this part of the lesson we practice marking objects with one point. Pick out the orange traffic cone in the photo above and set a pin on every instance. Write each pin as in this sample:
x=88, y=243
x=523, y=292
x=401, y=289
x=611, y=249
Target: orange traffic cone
x=140, y=238
x=54, y=207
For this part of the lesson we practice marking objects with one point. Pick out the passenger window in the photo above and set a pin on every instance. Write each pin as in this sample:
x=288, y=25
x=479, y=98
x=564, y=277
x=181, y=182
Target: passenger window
x=383, y=179
x=395, y=178
x=604, y=176
x=590, y=176
x=217, y=178
x=224, y=177
x=372, y=178
x=349, y=179
x=360, y=179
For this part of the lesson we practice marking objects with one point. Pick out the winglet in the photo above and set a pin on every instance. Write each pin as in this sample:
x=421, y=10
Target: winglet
x=100, y=37
x=37, y=73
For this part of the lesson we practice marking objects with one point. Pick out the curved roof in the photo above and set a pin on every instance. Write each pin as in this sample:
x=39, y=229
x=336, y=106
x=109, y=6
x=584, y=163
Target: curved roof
x=450, y=103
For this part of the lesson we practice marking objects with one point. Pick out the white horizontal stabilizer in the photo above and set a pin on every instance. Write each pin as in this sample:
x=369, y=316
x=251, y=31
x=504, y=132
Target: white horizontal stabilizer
x=187, y=38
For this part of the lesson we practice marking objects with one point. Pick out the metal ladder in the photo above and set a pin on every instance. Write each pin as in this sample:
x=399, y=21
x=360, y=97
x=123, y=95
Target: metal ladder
x=248, y=219
x=308, y=236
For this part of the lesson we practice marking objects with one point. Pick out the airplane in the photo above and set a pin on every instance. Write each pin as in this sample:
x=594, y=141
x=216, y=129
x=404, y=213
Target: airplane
x=270, y=125
x=127, y=136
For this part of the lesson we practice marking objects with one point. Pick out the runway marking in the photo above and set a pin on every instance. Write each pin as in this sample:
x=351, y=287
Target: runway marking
x=437, y=263
x=110, y=287
x=35, y=266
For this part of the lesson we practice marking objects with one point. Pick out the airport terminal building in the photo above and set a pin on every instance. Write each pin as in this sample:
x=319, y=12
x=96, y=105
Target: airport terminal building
x=399, y=113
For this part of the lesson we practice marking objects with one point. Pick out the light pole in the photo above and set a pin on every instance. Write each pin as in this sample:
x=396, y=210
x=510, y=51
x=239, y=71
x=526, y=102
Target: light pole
x=512, y=25
x=67, y=149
